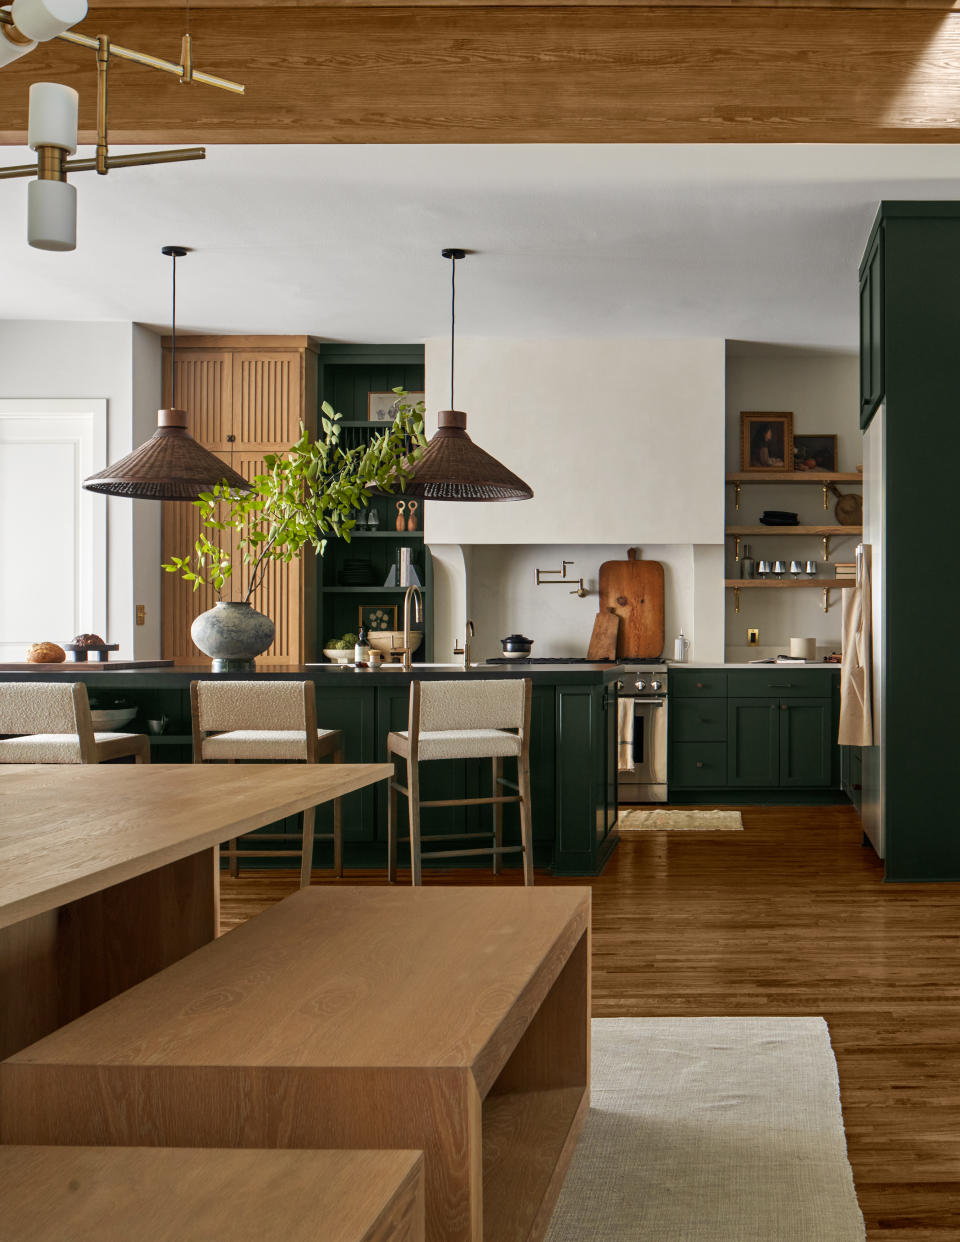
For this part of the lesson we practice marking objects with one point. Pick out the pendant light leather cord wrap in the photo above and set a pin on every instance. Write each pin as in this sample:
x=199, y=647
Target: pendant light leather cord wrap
x=171, y=465
x=452, y=467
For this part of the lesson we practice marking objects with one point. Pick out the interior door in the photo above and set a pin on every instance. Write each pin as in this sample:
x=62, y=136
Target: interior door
x=55, y=560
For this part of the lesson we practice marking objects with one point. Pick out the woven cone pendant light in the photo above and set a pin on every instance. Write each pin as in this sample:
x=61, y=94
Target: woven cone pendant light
x=452, y=467
x=171, y=465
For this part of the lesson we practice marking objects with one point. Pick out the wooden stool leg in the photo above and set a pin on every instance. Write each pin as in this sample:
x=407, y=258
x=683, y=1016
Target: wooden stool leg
x=497, y=813
x=233, y=865
x=526, y=830
x=413, y=803
x=392, y=825
x=306, y=860
x=338, y=826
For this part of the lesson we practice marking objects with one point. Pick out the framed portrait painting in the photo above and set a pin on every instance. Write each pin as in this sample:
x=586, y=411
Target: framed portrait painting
x=766, y=441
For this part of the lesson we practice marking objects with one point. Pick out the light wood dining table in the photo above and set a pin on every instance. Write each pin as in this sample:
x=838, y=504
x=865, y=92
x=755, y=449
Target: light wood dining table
x=109, y=872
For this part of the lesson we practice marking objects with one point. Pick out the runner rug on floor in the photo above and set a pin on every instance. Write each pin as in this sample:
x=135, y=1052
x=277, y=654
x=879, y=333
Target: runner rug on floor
x=710, y=1130
x=679, y=821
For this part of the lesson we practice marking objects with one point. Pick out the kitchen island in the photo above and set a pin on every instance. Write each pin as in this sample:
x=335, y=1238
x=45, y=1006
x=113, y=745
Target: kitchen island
x=573, y=753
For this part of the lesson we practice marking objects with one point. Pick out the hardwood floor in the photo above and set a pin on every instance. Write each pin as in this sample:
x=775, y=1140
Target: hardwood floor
x=788, y=917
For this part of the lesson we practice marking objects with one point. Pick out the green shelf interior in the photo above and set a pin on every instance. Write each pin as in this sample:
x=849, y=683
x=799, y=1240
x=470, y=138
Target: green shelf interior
x=346, y=375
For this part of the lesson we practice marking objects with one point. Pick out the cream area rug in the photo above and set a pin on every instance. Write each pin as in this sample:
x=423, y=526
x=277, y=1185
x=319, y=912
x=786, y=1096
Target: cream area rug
x=680, y=820
x=710, y=1130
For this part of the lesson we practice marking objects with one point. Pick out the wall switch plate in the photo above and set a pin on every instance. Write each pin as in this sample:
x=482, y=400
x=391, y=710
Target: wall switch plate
x=141, y=614
x=753, y=638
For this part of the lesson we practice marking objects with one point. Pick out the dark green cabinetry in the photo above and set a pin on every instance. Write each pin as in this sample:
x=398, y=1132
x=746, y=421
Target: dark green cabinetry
x=910, y=786
x=763, y=731
x=346, y=375
x=871, y=328
x=753, y=745
x=573, y=758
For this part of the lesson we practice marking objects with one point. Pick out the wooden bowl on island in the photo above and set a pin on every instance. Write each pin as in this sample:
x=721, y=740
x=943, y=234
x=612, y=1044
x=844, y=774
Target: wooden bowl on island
x=391, y=640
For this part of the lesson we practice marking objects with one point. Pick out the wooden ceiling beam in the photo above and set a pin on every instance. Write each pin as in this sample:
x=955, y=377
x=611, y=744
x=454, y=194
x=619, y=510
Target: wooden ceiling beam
x=936, y=5
x=509, y=73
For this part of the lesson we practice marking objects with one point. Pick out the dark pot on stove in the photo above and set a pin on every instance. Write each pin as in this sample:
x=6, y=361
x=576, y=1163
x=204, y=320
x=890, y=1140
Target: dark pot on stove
x=516, y=645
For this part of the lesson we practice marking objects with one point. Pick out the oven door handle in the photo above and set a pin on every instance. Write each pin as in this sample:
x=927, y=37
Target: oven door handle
x=650, y=702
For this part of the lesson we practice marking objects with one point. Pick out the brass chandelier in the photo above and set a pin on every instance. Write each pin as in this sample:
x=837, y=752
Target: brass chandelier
x=51, y=200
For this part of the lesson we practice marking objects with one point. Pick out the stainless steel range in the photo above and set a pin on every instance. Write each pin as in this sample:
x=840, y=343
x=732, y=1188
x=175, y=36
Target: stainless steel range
x=642, y=732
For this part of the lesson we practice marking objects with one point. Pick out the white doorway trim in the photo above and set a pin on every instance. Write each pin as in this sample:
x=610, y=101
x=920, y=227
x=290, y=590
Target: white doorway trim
x=78, y=428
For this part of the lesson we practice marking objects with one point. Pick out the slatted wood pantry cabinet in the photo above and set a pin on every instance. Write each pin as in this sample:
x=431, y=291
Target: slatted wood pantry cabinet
x=245, y=397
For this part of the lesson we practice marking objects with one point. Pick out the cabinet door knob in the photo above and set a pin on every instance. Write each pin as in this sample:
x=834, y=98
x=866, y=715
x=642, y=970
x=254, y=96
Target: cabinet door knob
x=699, y=763
x=783, y=707
x=699, y=685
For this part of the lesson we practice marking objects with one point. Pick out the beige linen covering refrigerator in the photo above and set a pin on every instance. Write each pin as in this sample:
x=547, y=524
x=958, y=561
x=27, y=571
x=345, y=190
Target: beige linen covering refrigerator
x=856, y=688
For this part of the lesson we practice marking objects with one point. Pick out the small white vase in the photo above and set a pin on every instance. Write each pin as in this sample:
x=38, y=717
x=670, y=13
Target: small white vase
x=232, y=634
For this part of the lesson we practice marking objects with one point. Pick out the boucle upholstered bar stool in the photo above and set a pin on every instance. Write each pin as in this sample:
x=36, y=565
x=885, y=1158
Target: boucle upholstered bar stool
x=52, y=724
x=499, y=715
x=267, y=721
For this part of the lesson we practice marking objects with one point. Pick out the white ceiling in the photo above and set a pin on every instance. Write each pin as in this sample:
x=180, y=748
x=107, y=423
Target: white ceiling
x=756, y=243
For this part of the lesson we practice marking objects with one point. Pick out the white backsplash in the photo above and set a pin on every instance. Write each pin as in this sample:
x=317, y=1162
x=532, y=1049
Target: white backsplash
x=503, y=598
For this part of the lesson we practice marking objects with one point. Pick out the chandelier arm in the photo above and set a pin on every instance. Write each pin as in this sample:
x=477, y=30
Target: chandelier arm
x=155, y=62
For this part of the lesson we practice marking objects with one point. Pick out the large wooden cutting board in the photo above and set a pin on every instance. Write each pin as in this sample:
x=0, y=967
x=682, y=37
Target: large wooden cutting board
x=634, y=590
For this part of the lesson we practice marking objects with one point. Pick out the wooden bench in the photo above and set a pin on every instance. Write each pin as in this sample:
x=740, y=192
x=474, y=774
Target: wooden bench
x=163, y=1194
x=454, y=1021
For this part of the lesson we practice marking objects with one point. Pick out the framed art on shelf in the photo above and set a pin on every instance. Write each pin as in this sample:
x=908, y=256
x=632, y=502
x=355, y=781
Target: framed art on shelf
x=766, y=441
x=382, y=406
x=815, y=452
x=377, y=617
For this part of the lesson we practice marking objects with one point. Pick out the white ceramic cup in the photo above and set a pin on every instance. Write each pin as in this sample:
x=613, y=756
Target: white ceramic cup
x=805, y=647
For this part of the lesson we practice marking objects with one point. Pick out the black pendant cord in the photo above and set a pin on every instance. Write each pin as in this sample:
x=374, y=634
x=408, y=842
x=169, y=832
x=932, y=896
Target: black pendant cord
x=453, y=253
x=173, y=338
x=453, y=319
x=174, y=253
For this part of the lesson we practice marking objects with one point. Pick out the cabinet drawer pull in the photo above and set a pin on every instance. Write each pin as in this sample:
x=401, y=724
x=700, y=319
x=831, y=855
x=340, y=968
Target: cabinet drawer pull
x=781, y=685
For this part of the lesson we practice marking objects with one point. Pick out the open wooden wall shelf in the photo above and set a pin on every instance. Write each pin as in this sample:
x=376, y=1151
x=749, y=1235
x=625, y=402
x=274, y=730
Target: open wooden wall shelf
x=794, y=476
x=795, y=530
x=752, y=584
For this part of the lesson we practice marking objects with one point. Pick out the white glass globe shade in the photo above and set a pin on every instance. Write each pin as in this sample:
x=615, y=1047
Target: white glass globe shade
x=53, y=116
x=45, y=19
x=10, y=51
x=52, y=215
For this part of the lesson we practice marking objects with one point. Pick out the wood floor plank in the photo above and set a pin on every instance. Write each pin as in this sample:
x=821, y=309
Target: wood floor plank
x=789, y=917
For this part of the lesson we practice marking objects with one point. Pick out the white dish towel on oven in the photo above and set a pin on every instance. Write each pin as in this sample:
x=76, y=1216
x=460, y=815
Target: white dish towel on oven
x=625, y=735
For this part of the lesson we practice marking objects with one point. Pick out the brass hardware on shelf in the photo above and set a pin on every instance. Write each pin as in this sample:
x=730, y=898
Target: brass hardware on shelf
x=826, y=599
x=736, y=496
x=736, y=552
x=736, y=599
x=825, y=540
x=825, y=489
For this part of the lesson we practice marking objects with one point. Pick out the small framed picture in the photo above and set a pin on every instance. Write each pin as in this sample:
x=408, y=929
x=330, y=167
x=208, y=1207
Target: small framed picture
x=766, y=441
x=377, y=617
x=382, y=406
x=815, y=453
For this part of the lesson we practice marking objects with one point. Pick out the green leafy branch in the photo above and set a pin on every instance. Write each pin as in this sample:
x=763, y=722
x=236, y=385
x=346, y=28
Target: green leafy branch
x=304, y=496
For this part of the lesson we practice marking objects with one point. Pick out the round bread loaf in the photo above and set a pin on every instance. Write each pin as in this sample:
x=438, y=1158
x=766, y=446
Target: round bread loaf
x=45, y=653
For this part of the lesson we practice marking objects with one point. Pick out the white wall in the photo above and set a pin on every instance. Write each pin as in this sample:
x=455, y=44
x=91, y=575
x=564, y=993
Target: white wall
x=118, y=362
x=822, y=392
x=620, y=440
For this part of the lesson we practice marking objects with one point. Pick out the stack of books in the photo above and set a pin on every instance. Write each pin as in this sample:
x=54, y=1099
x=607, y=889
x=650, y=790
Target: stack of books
x=847, y=572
